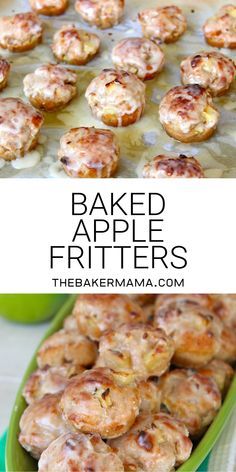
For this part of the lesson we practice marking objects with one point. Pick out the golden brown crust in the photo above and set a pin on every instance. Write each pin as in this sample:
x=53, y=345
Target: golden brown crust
x=191, y=138
x=164, y=24
x=192, y=398
x=227, y=350
x=150, y=396
x=188, y=114
x=48, y=380
x=155, y=442
x=96, y=313
x=195, y=330
x=210, y=69
x=116, y=97
x=50, y=87
x=4, y=73
x=66, y=347
x=20, y=32
x=40, y=424
x=70, y=323
x=120, y=398
x=140, y=56
x=49, y=7
x=164, y=166
x=94, y=402
x=200, y=299
x=20, y=124
x=126, y=119
x=224, y=306
x=136, y=352
x=101, y=13
x=220, y=30
x=73, y=452
x=89, y=152
x=75, y=46
x=219, y=371
x=143, y=298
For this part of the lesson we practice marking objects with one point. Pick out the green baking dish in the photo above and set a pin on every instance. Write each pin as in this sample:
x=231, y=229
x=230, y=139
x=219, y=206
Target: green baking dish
x=18, y=460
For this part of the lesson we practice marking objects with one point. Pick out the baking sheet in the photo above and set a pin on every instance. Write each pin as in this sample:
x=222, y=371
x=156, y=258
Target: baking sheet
x=145, y=139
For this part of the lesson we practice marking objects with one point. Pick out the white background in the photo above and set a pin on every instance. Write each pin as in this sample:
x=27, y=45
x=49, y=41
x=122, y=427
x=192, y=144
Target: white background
x=200, y=214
